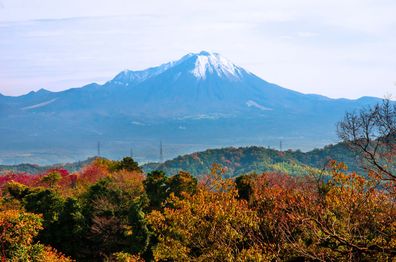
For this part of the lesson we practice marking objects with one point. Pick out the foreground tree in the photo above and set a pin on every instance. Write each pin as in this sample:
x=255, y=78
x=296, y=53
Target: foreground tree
x=113, y=213
x=372, y=132
x=17, y=232
x=344, y=217
x=156, y=186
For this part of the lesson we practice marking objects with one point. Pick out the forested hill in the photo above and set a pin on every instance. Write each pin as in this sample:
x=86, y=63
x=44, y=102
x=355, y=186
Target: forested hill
x=236, y=161
x=243, y=160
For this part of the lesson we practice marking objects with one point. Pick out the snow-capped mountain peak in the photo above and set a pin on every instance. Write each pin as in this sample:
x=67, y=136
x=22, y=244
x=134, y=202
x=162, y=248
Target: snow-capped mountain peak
x=214, y=63
x=200, y=65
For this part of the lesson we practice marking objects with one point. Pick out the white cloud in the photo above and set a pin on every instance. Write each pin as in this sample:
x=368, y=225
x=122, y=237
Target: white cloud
x=306, y=34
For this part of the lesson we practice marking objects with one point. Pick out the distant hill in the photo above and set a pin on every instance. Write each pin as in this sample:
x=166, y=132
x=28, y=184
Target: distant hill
x=200, y=101
x=36, y=169
x=243, y=160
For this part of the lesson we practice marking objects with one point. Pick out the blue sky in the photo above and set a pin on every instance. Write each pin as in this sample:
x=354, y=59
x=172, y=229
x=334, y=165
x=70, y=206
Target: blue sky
x=335, y=48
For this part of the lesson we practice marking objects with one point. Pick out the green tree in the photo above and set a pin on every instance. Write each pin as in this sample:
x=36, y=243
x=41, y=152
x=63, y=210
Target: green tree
x=141, y=234
x=106, y=210
x=45, y=202
x=127, y=163
x=71, y=228
x=115, y=220
x=48, y=203
x=156, y=187
x=52, y=178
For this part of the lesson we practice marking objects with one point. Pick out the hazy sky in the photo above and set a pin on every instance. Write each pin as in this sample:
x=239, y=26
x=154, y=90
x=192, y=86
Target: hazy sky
x=338, y=48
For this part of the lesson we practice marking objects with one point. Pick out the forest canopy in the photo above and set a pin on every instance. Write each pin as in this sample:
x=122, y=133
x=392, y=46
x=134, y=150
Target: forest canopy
x=113, y=211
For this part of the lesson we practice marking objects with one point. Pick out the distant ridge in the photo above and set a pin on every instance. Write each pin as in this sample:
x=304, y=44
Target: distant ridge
x=237, y=161
x=37, y=169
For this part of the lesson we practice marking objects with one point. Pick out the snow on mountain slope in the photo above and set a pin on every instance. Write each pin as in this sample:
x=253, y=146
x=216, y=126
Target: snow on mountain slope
x=252, y=103
x=39, y=104
x=127, y=77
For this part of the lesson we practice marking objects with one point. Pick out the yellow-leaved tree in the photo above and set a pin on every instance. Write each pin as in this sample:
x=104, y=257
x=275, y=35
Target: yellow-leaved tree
x=17, y=232
x=210, y=225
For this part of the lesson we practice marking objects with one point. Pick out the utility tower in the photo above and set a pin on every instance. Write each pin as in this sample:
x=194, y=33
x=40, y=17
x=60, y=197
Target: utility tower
x=131, y=152
x=161, y=153
x=98, y=148
x=280, y=145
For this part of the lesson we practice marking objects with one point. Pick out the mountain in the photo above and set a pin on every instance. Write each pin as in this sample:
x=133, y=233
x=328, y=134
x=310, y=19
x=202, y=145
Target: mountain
x=200, y=101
